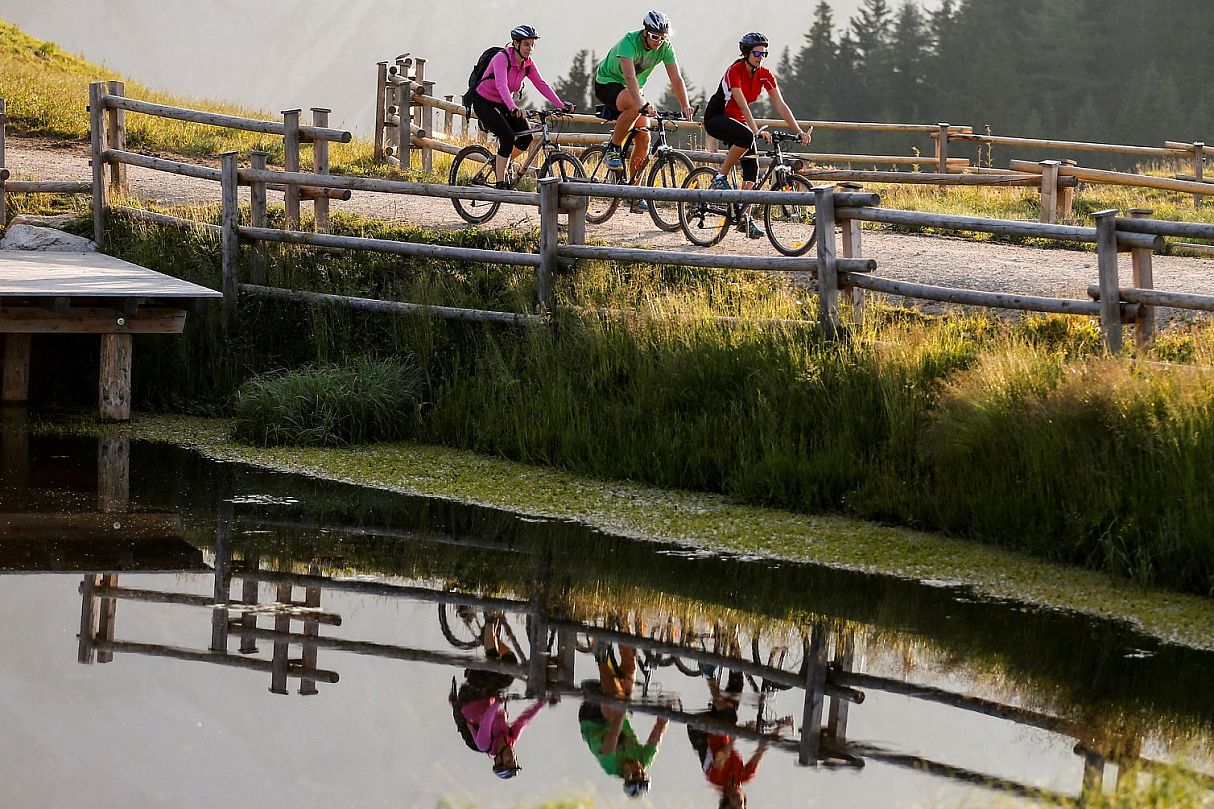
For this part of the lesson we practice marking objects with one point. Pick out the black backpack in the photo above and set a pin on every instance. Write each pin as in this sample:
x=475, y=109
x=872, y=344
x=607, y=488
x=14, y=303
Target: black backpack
x=478, y=75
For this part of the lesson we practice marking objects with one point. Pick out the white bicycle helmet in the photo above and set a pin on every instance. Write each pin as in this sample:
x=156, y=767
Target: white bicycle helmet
x=657, y=22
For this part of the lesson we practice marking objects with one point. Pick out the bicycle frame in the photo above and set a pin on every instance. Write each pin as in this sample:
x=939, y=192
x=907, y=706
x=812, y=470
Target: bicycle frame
x=543, y=143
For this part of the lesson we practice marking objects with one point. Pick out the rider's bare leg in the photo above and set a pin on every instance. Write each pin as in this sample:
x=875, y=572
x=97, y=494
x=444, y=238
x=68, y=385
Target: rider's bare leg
x=500, y=165
x=640, y=148
x=732, y=157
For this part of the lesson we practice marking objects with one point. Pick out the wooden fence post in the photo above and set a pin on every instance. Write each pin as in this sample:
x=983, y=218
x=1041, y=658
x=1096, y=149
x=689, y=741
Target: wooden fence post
x=115, y=137
x=257, y=219
x=1066, y=202
x=419, y=76
x=222, y=590
x=96, y=148
x=290, y=162
x=845, y=655
x=449, y=117
x=1110, y=296
x=229, y=239
x=550, y=203
x=815, y=695
x=828, y=274
x=1144, y=278
x=320, y=165
x=852, y=249
x=426, y=113
x=114, y=388
x=1199, y=164
x=404, y=116
x=1049, y=191
x=381, y=107
x=942, y=148
x=3, y=124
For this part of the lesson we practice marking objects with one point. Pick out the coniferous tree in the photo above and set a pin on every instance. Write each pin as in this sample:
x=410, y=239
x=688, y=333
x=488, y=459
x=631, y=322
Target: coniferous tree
x=872, y=28
x=910, y=50
x=810, y=86
x=578, y=85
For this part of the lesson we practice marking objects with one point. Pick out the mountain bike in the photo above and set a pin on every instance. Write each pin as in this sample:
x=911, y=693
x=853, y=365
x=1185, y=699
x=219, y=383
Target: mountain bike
x=790, y=228
x=474, y=166
x=668, y=167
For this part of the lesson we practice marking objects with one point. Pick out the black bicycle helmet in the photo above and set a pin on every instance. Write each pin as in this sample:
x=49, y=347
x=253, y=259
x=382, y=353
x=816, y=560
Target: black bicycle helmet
x=657, y=22
x=748, y=42
x=522, y=32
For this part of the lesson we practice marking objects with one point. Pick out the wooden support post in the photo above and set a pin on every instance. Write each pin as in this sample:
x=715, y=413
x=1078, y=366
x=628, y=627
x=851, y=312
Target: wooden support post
x=381, y=105
x=1093, y=776
x=426, y=115
x=942, y=148
x=3, y=124
x=115, y=137
x=290, y=162
x=85, y=650
x=114, y=394
x=815, y=695
x=845, y=655
x=14, y=445
x=537, y=665
x=1049, y=191
x=113, y=474
x=96, y=147
x=222, y=590
x=419, y=76
x=281, y=663
x=1199, y=166
x=404, y=114
x=566, y=655
x=550, y=203
x=1110, y=297
x=16, y=386
x=311, y=630
x=1066, y=202
x=229, y=240
x=1144, y=278
x=107, y=619
x=852, y=248
x=248, y=595
x=320, y=165
x=576, y=228
x=448, y=118
x=257, y=219
x=828, y=274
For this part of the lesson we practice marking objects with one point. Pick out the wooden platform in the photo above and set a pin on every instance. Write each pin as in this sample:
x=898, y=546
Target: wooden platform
x=47, y=292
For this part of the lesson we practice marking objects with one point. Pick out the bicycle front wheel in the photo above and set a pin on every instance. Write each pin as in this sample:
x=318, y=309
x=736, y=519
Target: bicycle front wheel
x=563, y=166
x=704, y=223
x=473, y=166
x=790, y=228
x=599, y=209
x=669, y=170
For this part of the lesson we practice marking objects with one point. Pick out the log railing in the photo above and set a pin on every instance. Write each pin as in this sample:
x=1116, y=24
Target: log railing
x=8, y=186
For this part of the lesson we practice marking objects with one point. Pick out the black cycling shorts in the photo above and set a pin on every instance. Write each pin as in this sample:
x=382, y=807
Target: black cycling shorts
x=732, y=132
x=608, y=94
x=496, y=117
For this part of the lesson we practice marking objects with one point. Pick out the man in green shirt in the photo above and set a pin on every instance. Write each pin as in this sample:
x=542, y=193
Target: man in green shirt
x=619, y=80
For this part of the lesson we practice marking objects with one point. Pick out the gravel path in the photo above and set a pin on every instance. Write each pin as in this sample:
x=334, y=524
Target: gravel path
x=942, y=261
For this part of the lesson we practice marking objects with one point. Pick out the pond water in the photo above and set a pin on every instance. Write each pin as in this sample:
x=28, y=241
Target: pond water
x=183, y=632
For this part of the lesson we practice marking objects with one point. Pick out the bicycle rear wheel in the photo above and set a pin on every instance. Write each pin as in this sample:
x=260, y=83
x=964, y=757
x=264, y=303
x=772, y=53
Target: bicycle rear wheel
x=461, y=625
x=669, y=170
x=704, y=223
x=790, y=228
x=473, y=166
x=599, y=209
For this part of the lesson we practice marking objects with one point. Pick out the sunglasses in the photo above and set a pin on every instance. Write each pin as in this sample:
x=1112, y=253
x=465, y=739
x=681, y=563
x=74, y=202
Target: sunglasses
x=760, y=54
x=655, y=37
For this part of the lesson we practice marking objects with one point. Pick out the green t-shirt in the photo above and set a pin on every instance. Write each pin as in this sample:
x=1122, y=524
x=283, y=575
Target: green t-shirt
x=632, y=47
x=594, y=732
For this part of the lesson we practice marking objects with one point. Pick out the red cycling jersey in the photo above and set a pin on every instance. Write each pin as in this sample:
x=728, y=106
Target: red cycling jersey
x=751, y=83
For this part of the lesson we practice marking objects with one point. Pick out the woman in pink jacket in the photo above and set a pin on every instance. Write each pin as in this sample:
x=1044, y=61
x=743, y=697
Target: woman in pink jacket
x=493, y=100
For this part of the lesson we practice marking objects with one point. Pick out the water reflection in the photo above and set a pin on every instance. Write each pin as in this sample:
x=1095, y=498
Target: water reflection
x=611, y=652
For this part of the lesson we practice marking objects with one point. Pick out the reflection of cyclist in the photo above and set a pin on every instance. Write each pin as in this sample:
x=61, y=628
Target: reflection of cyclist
x=620, y=77
x=729, y=119
x=479, y=708
x=722, y=764
x=607, y=731
x=493, y=100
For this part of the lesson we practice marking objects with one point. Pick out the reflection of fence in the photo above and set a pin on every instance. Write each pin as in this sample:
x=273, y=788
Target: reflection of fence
x=822, y=671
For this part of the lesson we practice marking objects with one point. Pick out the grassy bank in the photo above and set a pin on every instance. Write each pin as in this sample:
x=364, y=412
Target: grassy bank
x=1016, y=433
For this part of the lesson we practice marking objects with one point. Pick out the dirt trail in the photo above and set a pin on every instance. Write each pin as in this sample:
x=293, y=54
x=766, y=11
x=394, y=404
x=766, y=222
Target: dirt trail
x=943, y=261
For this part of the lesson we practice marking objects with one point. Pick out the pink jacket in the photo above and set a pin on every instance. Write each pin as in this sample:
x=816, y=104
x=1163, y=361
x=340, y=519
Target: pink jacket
x=504, y=78
x=488, y=722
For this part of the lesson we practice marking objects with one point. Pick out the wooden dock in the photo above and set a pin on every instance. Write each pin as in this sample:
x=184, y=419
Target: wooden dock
x=90, y=293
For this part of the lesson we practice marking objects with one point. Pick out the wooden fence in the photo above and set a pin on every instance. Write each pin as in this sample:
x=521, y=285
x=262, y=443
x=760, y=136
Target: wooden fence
x=403, y=94
x=8, y=186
